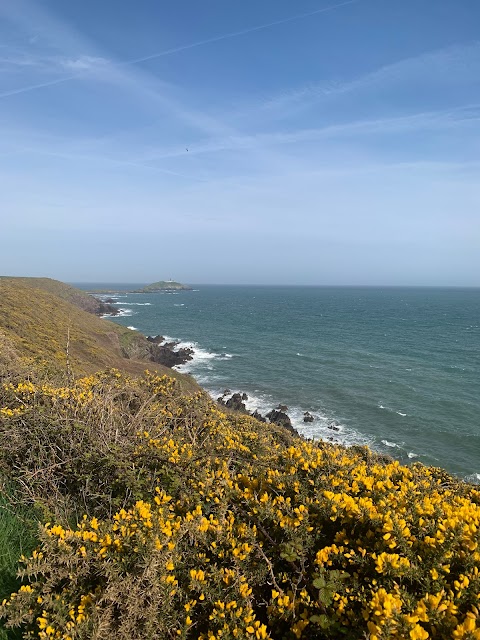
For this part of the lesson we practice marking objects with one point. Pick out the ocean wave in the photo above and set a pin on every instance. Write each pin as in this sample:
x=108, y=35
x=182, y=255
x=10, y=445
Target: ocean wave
x=399, y=413
x=133, y=328
x=474, y=478
x=137, y=304
x=201, y=357
x=122, y=313
x=393, y=445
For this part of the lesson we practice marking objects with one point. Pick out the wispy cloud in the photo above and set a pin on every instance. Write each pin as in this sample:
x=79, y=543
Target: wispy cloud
x=423, y=121
x=83, y=63
x=242, y=32
x=447, y=67
x=86, y=62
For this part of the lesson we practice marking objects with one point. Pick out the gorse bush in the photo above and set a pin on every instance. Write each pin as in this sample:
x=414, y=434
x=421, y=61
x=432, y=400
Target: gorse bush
x=210, y=525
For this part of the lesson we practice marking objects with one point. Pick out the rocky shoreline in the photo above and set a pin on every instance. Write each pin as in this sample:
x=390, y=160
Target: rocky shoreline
x=170, y=355
x=278, y=415
x=166, y=353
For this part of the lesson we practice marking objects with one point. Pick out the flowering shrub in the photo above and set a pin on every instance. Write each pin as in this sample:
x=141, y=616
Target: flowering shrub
x=230, y=528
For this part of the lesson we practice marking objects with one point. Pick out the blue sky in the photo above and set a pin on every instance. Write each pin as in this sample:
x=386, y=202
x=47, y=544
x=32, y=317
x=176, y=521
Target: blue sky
x=272, y=141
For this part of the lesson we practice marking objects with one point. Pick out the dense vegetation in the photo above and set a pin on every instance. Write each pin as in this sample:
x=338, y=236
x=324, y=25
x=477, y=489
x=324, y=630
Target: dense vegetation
x=163, y=516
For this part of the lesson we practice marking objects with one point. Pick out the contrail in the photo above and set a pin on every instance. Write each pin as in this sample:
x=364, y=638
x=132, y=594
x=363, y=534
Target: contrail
x=185, y=47
x=235, y=34
x=32, y=87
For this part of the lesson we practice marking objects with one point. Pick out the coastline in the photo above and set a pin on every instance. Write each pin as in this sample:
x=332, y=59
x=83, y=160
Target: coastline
x=386, y=420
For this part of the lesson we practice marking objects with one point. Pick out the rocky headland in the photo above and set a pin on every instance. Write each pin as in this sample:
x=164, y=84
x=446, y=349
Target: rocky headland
x=163, y=285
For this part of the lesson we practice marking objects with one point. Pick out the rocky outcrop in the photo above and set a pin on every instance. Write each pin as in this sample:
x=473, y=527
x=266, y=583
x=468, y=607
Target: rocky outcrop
x=235, y=402
x=168, y=355
x=276, y=416
x=104, y=309
x=307, y=417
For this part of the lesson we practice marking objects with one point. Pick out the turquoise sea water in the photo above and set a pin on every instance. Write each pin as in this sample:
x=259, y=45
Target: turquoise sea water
x=397, y=368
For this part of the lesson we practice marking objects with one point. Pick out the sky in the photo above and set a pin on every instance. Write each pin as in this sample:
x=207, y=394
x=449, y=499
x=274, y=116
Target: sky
x=320, y=142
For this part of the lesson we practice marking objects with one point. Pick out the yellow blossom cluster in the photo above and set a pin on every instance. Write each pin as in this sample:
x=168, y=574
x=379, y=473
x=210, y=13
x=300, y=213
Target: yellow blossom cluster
x=242, y=530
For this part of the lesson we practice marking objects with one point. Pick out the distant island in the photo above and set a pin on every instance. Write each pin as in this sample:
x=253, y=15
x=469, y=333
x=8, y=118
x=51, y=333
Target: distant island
x=163, y=285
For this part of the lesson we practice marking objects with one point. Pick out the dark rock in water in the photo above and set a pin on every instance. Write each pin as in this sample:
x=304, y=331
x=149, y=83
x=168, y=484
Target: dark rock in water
x=104, y=309
x=227, y=392
x=156, y=339
x=235, y=402
x=171, y=345
x=307, y=417
x=281, y=418
x=334, y=426
x=167, y=355
x=282, y=407
x=258, y=416
x=244, y=396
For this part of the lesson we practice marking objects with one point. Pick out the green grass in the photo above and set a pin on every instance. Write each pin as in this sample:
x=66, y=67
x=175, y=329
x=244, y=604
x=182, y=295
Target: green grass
x=18, y=526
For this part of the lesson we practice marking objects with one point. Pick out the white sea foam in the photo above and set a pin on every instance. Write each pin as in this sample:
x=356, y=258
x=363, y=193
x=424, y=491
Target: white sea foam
x=411, y=455
x=179, y=305
x=473, y=478
x=122, y=313
x=394, y=445
x=133, y=328
x=324, y=427
x=201, y=358
x=400, y=413
x=136, y=304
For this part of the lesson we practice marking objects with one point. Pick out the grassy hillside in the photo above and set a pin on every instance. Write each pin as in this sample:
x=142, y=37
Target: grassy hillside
x=59, y=289
x=38, y=324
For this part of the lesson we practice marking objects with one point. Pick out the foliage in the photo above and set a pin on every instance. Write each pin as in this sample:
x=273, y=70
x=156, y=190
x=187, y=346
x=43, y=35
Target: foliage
x=205, y=524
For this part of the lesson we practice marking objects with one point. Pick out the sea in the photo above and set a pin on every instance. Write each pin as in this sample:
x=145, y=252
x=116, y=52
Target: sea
x=397, y=369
